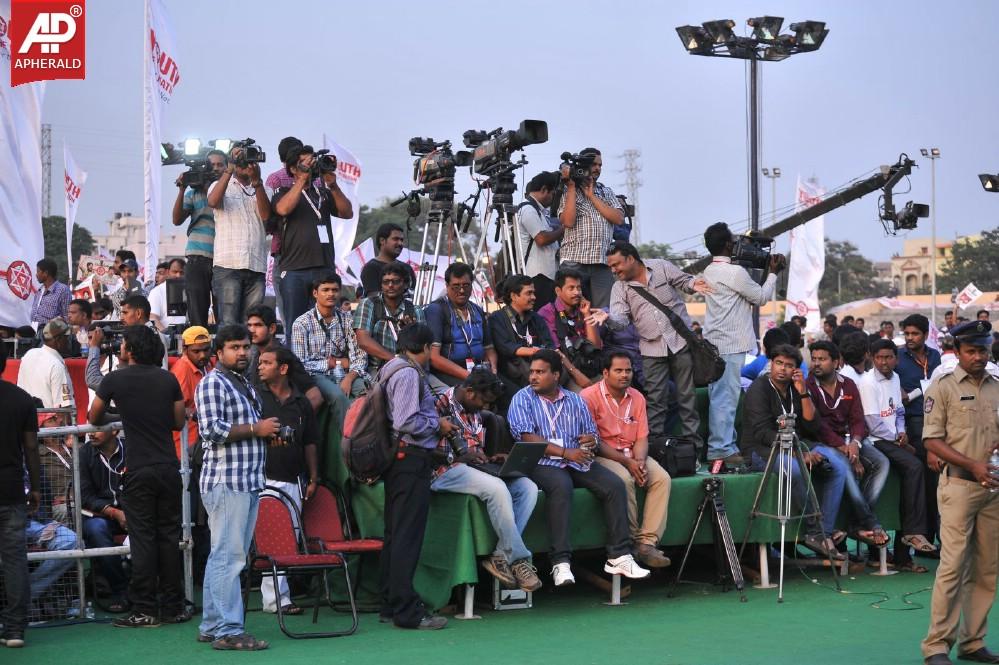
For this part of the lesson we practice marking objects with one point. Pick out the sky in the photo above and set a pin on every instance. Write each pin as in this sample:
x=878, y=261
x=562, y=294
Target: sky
x=890, y=78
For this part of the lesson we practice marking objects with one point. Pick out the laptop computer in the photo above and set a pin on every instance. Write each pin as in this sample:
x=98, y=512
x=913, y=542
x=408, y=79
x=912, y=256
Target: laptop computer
x=523, y=457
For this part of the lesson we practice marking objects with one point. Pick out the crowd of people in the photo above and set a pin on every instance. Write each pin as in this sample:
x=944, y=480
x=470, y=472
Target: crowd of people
x=589, y=354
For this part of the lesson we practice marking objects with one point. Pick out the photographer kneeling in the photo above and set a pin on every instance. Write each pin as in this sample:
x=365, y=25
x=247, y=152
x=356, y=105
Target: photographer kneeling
x=728, y=325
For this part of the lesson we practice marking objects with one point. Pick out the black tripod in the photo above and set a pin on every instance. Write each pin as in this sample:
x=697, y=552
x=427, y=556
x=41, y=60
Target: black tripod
x=724, y=543
x=785, y=450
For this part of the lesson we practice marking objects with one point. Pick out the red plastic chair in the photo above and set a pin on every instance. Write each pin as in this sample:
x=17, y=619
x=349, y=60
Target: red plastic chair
x=325, y=531
x=276, y=551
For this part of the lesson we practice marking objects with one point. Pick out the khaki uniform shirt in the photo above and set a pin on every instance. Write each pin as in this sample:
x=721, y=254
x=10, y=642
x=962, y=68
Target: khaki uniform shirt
x=963, y=413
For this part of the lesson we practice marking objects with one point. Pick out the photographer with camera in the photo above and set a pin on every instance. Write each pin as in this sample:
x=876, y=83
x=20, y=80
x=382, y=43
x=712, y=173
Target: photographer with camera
x=293, y=456
x=574, y=331
x=589, y=211
x=306, y=231
x=728, y=324
x=540, y=235
x=241, y=209
x=200, y=249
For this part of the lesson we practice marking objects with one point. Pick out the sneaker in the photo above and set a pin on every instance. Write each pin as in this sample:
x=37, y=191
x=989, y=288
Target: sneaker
x=626, y=565
x=136, y=620
x=12, y=640
x=432, y=622
x=527, y=575
x=562, y=574
x=650, y=555
x=498, y=567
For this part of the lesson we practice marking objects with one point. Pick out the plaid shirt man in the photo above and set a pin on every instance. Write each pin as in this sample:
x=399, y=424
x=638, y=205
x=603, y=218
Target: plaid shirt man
x=588, y=240
x=314, y=342
x=224, y=399
x=386, y=329
x=51, y=302
x=472, y=436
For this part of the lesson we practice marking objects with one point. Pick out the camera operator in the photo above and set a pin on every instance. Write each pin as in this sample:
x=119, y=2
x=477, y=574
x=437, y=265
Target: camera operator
x=294, y=456
x=200, y=250
x=307, y=249
x=241, y=208
x=134, y=312
x=589, y=210
x=275, y=181
x=540, y=235
x=782, y=393
x=158, y=302
x=151, y=407
x=728, y=324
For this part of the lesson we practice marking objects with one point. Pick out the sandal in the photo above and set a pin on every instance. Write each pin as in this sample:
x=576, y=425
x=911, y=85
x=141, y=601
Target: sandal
x=838, y=536
x=919, y=543
x=292, y=610
x=911, y=567
x=877, y=537
x=241, y=642
x=826, y=548
x=119, y=606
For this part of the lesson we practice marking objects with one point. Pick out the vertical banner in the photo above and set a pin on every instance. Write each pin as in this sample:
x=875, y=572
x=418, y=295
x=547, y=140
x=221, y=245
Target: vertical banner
x=161, y=78
x=348, y=177
x=808, y=259
x=75, y=178
x=21, y=243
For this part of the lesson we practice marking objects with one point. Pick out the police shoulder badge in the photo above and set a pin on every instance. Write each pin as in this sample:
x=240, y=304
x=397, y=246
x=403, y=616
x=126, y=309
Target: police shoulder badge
x=928, y=405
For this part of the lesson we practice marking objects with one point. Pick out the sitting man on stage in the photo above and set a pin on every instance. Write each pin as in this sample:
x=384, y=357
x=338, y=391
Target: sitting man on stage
x=544, y=412
x=508, y=502
x=461, y=336
x=782, y=393
x=623, y=425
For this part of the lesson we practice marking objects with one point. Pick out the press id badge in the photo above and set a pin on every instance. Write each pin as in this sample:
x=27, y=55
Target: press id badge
x=469, y=364
x=557, y=441
x=324, y=234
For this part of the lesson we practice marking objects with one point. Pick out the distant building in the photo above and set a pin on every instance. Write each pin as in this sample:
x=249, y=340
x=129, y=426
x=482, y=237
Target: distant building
x=911, y=270
x=128, y=232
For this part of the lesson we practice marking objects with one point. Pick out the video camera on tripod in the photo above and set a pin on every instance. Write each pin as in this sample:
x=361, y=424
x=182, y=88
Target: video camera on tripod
x=493, y=151
x=434, y=168
x=785, y=430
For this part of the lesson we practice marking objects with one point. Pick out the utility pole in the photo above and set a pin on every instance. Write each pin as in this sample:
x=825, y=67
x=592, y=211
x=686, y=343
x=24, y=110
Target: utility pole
x=631, y=170
x=46, y=170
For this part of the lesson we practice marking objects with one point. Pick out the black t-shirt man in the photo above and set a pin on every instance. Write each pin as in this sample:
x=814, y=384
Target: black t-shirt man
x=298, y=376
x=307, y=235
x=17, y=416
x=287, y=463
x=371, y=276
x=145, y=397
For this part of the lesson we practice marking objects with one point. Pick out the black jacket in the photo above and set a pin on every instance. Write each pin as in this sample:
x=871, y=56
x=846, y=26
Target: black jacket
x=760, y=411
x=100, y=479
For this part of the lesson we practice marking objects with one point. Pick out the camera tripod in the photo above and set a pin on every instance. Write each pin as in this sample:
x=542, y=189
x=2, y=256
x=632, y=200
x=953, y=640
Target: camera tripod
x=426, y=273
x=786, y=449
x=724, y=542
x=508, y=234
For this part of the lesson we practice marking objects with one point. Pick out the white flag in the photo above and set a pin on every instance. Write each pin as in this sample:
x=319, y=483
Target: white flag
x=969, y=295
x=348, y=177
x=808, y=259
x=161, y=78
x=75, y=178
x=21, y=243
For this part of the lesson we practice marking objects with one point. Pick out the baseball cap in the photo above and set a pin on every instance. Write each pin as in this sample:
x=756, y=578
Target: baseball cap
x=196, y=335
x=54, y=329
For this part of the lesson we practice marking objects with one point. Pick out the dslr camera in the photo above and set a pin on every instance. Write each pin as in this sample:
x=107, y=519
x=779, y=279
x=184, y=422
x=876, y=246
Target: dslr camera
x=287, y=434
x=580, y=167
x=251, y=153
x=753, y=253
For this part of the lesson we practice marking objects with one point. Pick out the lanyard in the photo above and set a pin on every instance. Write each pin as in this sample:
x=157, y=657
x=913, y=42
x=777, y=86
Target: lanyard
x=780, y=400
x=552, y=419
x=822, y=392
x=924, y=364
x=467, y=334
x=617, y=407
x=308, y=199
x=337, y=353
x=62, y=459
x=527, y=337
x=113, y=471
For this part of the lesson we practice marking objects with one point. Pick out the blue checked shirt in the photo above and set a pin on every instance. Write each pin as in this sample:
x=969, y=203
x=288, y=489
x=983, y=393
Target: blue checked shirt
x=238, y=465
x=313, y=342
x=532, y=414
x=51, y=303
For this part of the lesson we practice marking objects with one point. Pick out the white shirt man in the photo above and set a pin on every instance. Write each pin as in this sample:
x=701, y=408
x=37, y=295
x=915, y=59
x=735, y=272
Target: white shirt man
x=43, y=372
x=882, y=399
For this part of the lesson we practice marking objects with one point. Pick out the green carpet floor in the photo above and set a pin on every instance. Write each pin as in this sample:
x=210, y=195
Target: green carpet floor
x=700, y=626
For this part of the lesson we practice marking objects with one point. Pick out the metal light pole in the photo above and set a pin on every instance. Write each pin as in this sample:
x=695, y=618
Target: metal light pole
x=773, y=174
x=934, y=155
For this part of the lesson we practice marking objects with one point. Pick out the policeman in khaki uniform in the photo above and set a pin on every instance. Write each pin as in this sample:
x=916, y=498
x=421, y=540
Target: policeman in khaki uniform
x=960, y=428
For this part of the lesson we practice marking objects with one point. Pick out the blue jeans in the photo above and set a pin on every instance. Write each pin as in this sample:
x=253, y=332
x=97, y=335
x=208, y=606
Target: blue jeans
x=829, y=490
x=232, y=516
x=52, y=537
x=339, y=403
x=235, y=292
x=14, y=567
x=296, y=293
x=100, y=532
x=876, y=468
x=508, y=502
x=862, y=515
x=723, y=400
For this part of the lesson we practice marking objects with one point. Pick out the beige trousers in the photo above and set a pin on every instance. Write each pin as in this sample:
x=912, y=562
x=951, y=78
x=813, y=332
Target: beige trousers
x=656, y=500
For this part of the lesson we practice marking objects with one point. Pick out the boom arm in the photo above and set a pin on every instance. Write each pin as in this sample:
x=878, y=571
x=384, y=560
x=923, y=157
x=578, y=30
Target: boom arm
x=883, y=180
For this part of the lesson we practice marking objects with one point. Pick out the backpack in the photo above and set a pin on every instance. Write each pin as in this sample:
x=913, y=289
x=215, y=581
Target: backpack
x=381, y=314
x=368, y=444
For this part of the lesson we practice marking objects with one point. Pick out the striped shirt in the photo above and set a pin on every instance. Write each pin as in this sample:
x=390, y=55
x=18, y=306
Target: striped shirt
x=50, y=303
x=314, y=342
x=201, y=232
x=472, y=436
x=384, y=329
x=728, y=323
x=566, y=418
x=657, y=337
x=221, y=405
x=411, y=405
x=587, y=241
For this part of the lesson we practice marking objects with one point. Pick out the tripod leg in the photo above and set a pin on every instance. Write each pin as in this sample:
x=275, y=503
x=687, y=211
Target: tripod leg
x=483, y=239
x=813, y=498
x=756, y=500
x=690, y=545
x=725, y=529
x=421, y=270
